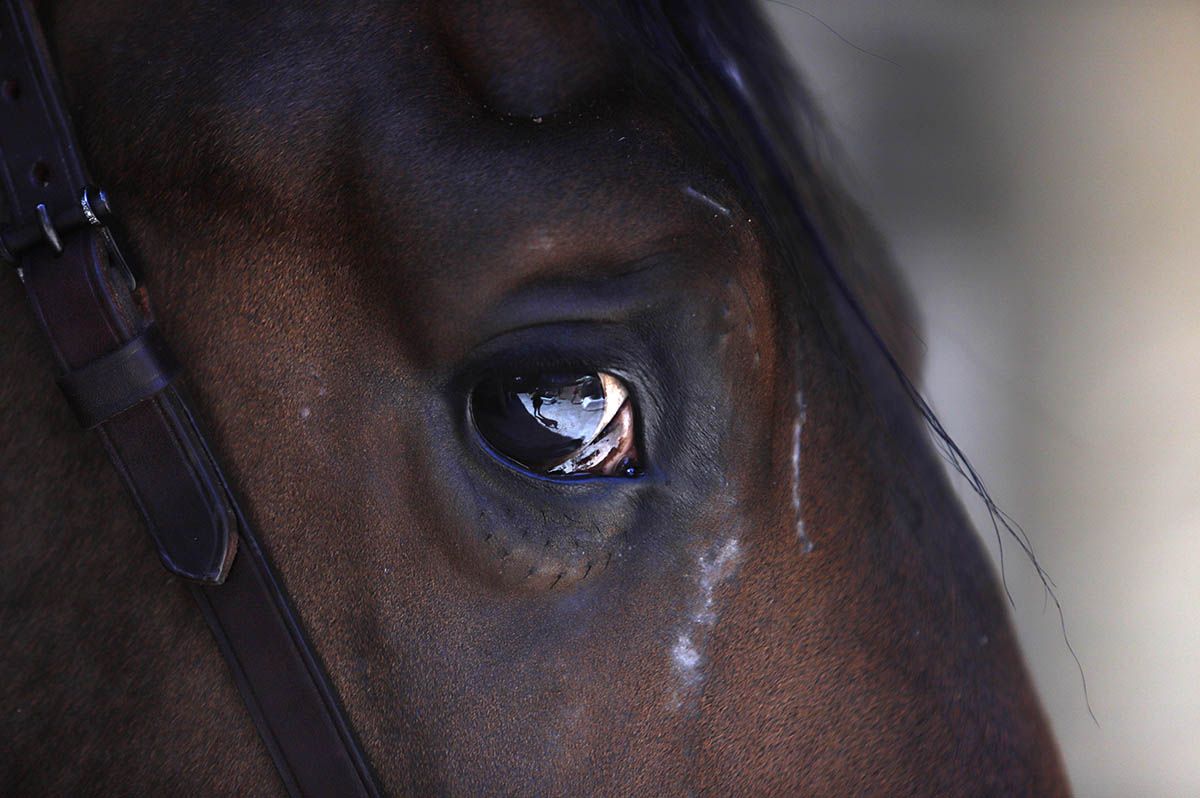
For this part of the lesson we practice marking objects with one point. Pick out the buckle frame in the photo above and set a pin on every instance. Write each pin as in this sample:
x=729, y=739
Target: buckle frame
x=92, y=211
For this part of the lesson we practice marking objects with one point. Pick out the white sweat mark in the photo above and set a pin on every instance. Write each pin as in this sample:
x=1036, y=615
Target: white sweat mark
x=542, y=240
x=307, y=409
x=806, y=544
x=707, y=200
x=687, y=653
x=686, y=657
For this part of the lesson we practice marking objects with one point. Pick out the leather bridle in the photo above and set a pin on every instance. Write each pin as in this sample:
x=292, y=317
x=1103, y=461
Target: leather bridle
x=118, y=375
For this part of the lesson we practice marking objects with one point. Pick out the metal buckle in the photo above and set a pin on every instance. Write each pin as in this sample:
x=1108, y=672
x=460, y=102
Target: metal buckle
x=93, y=210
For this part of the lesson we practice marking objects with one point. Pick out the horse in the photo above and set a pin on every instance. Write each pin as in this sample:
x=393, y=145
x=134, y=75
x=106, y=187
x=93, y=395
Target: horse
x=559, y=379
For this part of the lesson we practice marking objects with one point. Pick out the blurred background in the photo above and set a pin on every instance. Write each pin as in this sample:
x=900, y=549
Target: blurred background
x=1036, y=169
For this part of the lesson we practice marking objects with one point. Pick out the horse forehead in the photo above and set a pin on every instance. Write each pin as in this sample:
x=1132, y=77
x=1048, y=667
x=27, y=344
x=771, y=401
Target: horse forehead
x=463, y=193
x=528, y=57
x=399, y=137
x=514, y=58
x=427, y=112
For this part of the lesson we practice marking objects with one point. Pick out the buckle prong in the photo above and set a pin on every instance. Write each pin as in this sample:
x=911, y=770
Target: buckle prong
x=48, y=231
x=93, y=210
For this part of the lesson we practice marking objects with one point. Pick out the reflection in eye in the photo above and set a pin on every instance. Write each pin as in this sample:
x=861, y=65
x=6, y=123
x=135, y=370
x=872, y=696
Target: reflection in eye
x=559, y=424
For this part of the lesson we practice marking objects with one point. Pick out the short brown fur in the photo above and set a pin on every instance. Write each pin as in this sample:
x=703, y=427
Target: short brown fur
x=342, y=209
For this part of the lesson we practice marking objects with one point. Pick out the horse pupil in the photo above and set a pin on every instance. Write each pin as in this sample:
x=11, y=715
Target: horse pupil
x=538, y=420
x=541, y=420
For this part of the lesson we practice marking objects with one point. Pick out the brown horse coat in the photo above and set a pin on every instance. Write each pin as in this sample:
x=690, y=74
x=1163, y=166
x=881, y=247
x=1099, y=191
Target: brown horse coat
x=349, y=215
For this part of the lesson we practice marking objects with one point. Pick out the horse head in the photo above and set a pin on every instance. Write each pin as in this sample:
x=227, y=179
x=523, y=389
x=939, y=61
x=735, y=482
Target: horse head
x=514, y=327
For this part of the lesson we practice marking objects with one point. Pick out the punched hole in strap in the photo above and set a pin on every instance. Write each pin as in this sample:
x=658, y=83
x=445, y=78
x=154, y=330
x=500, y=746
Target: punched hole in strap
x=115, y=382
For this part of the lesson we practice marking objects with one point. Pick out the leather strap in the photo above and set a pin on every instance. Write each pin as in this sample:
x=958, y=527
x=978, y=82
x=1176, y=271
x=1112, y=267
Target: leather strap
x=87, y=313
x=113, y=383
x=117, y=372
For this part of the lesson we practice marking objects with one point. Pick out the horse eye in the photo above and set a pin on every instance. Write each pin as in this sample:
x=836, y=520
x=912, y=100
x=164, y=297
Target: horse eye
x=559, y=424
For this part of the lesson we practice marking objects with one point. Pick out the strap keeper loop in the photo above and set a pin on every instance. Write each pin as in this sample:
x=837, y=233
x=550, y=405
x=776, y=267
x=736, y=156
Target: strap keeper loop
x=115, y=382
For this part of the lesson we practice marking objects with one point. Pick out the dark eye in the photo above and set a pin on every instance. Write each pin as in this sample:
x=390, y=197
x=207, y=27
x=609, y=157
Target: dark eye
x=559, y=424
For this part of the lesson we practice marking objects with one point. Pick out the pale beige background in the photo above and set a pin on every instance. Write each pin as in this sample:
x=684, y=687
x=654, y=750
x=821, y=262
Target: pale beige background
x=1036, y=168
